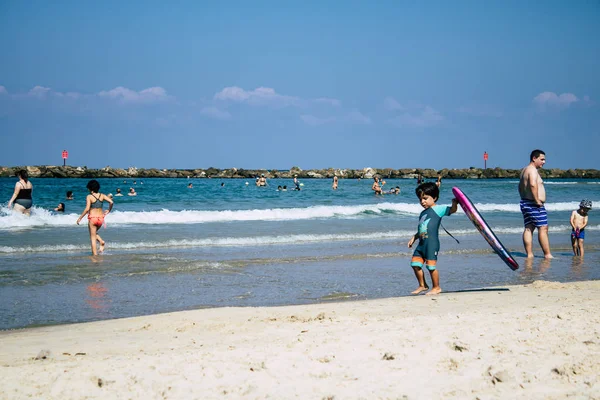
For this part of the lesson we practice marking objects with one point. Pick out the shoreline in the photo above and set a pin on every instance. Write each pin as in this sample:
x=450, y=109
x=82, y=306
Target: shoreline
x=533, y=341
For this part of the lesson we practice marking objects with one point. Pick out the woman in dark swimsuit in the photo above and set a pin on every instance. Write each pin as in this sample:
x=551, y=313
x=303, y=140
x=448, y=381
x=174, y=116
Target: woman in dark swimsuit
x=22, y=195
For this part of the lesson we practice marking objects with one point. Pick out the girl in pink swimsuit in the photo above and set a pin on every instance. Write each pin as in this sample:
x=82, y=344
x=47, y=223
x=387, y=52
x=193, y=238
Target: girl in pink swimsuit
x=93, y=207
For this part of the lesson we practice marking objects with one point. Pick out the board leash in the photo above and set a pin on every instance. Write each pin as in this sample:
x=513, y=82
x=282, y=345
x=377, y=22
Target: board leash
x=445, y=230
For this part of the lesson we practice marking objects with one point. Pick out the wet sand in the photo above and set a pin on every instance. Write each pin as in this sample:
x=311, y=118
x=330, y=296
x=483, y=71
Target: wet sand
x=538, y=341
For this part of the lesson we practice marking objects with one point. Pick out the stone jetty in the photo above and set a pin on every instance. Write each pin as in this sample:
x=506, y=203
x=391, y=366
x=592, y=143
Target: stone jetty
x=50, y=171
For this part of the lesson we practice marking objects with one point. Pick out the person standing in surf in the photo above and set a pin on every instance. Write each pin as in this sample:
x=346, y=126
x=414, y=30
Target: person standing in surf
x=533, y=197
x=21, y=197
x=428, y=234
x=579, y=220
x=93, y=207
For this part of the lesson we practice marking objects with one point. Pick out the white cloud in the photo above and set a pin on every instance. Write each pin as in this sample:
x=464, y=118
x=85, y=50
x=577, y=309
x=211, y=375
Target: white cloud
x=358, y=117
x=214, y=112
x=316, y=121
x=354, y=117
x=424, y=118
x=261, y=96
x=326, y=100
x=480, y=111
x=3, y=90
x=392, y=104
x=551, y=99
x=39, y=91
x=151, y=95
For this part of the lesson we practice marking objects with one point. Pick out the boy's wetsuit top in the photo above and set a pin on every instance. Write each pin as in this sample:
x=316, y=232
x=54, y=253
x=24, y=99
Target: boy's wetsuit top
x=429, y=242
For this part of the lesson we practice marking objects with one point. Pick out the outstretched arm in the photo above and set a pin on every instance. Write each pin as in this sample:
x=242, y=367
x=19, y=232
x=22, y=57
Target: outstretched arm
x=110, y=204
x=413, y=239
x=88, y=204
x=15, y=194
x=454, y=207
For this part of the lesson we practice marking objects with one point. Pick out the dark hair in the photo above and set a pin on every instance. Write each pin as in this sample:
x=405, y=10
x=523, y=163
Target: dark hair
x=93, y=186
x=23, y=175
x=69, y=193
x=428, y=188
x=536, y=154
x=62, y=205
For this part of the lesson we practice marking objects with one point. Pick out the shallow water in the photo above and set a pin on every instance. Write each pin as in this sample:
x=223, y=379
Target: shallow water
x=173, y=248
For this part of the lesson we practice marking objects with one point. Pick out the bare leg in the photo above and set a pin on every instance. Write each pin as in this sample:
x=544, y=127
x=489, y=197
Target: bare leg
x=100, y=241
x=93, y=230
x=528, y=240
x=580, y=245
x=21, y=209
x=575, y=246
x=544, y=242
x=435, y=279
x=421, y=278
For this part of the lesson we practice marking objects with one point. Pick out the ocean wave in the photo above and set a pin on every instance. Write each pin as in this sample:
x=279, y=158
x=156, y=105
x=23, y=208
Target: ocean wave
x=267, y=240
x=44, y=218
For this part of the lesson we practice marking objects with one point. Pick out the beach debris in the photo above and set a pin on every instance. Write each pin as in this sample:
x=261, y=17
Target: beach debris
x=42, y=355
x=499, y=376
x=459, y=347
x=388, y=357
x=326, y=359
x=259, y=367
x=100, y=382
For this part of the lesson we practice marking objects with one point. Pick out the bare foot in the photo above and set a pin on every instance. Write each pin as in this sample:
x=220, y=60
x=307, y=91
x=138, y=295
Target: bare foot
x=420, y=289
x=433, y=291
x=101, y=249
x=529, y=255
x=549, y=256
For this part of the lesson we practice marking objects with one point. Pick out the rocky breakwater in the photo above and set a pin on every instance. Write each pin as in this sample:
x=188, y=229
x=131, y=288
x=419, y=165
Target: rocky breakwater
x=49, y=171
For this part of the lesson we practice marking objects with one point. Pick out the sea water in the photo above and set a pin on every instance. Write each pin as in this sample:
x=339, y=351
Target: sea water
x=229, y=243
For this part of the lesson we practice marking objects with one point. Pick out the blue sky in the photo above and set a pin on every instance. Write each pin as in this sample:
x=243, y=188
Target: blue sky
x=314, y=84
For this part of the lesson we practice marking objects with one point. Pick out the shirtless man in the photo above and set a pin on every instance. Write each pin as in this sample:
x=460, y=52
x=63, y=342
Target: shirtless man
x=376, y=187
x=262, y=181
x=335, y=182
x=533, y=197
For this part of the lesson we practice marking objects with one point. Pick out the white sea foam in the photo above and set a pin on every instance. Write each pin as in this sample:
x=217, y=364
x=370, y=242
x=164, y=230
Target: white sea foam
x=220, y=242
x=44, y=218
x=267, y=240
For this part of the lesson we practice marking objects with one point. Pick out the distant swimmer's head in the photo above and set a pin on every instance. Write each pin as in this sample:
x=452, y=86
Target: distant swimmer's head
x=586, y=204
x=93, y=186
x=262, y=175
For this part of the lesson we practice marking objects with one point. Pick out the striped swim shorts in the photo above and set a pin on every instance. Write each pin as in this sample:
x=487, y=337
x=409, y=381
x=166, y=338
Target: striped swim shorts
x=533, y=214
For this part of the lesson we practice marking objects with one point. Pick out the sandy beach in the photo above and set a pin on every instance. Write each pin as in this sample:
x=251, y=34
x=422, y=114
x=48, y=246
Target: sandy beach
x=539, y=341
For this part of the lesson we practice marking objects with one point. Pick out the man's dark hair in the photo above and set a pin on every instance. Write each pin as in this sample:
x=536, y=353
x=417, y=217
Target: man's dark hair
x=428, y=188
x=93, y=186
x=536, y=154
